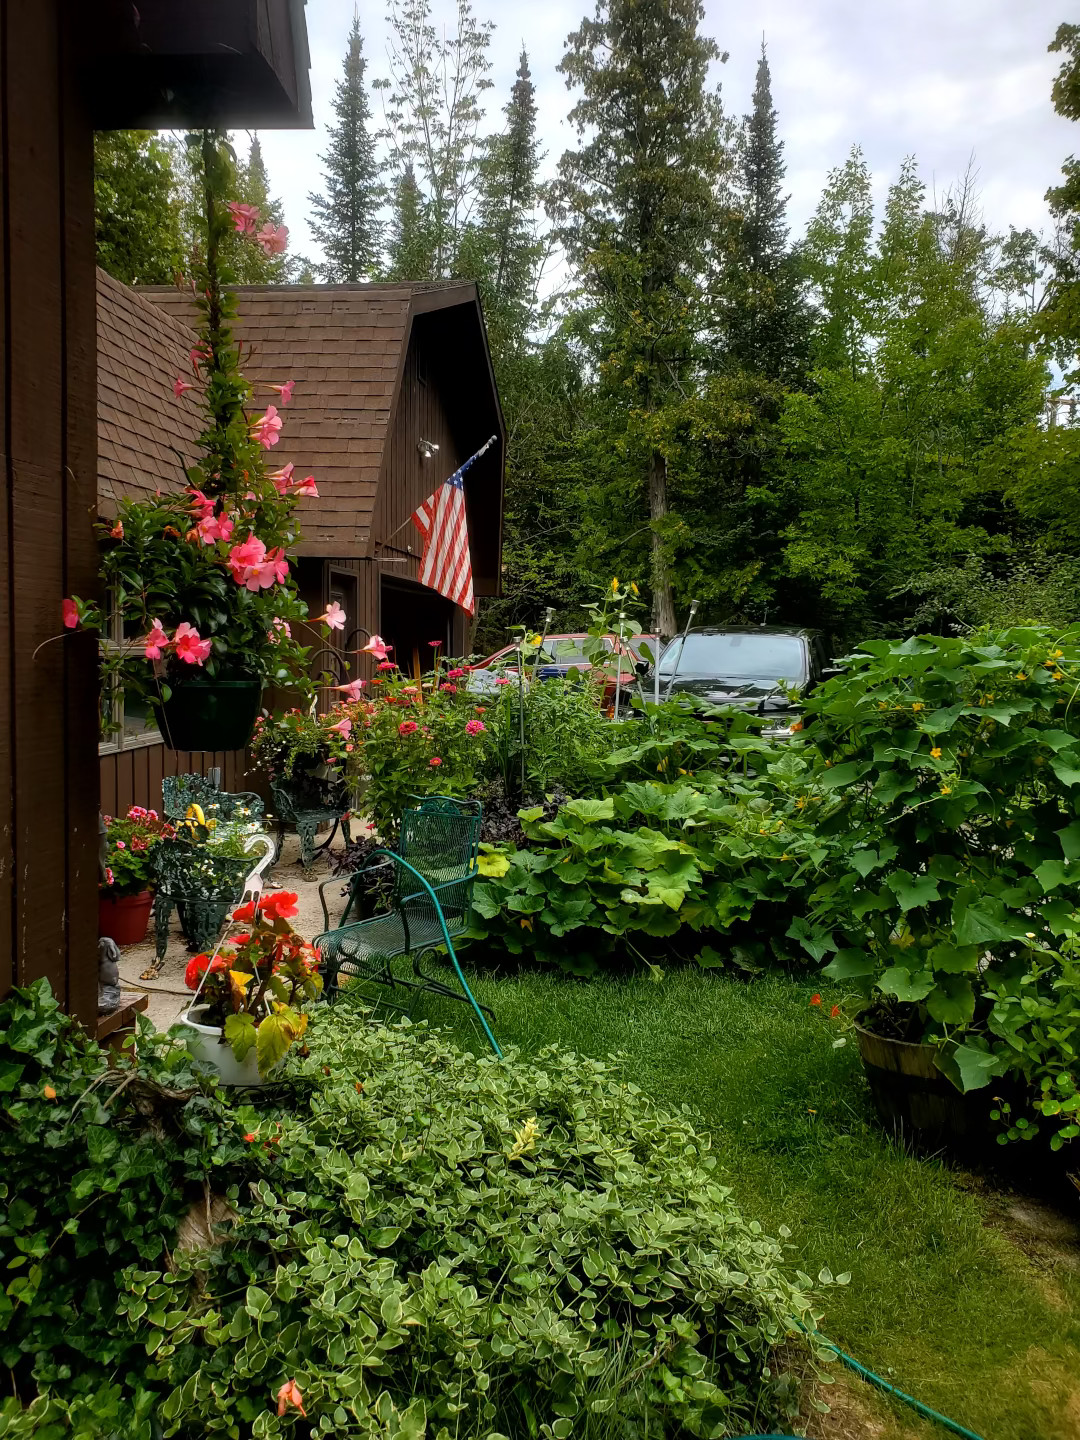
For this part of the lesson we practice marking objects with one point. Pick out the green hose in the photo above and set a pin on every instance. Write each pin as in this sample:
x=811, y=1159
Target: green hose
x=872, y=1379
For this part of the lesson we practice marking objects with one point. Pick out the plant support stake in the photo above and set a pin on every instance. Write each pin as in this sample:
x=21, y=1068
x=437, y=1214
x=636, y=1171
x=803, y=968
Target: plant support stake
x=678, y=657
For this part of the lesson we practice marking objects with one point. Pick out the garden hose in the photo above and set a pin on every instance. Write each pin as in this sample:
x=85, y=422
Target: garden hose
x=876, y=1380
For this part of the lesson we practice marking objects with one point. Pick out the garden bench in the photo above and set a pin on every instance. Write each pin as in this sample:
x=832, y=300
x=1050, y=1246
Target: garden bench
x=180, y=792
x=308, y=803
x=432, y=876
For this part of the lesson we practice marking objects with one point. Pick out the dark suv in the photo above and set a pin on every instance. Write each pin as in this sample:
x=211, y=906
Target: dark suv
x=752, y=667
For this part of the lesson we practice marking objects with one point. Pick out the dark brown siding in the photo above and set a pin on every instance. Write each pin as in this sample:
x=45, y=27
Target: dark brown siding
x=48, y=775
x=133, y=777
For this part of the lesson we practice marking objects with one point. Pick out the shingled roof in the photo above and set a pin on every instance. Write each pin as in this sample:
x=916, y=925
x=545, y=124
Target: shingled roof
x=145, y=434
x=343, y=345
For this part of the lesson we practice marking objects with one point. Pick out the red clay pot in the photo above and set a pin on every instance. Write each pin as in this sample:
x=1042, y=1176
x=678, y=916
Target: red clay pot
x=124, y=918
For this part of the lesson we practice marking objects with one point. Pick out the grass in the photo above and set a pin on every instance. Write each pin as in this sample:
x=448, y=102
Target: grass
x=948, y=1300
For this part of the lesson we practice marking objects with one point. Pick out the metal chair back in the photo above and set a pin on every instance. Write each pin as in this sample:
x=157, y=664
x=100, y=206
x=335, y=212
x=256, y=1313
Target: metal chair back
x=440, y=838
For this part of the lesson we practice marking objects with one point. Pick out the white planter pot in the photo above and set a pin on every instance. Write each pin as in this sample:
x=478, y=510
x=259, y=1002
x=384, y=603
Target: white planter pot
x=206, y=1044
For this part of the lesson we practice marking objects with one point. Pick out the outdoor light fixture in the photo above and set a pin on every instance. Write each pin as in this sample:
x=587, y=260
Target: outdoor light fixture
x=427, y=448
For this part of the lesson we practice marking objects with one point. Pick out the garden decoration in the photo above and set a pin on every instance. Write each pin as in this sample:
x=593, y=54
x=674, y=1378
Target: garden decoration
x=309, y=803
x=180, y=792
x=200, y=879
x=124, y=895
x=430, y=903
x=199, y=580
x=253, y=989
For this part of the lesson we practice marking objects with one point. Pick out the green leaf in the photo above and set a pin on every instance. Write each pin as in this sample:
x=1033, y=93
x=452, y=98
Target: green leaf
x=1052, y=873
x=850, y=964
x=1067, y=768
x=905, y=985
x=272, y=1041
x=952, y=1001
x=240, y=1033
x=976, y=1067
x=1070, y=841
x=913, y=891
x=590, y=811
x=955, y=959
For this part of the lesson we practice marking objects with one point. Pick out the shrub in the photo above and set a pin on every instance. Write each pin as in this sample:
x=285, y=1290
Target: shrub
x=490, y=1249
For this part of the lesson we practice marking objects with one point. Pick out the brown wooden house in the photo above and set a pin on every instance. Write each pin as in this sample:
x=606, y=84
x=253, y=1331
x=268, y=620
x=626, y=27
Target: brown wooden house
x=384, y=374
x=64, y=69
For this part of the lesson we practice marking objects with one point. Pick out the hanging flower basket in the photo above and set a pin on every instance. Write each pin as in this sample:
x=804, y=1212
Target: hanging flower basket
x=205, y=714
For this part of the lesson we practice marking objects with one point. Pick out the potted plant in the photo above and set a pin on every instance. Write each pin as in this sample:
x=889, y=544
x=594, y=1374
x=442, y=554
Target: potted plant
x=956, y=765
x=299, y=744
x=200, y=579
x=252, y=992
x=125, y=895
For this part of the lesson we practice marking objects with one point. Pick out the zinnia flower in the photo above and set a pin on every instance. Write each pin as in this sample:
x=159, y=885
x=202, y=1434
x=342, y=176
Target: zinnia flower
x=475, y=727
x=455, y=674
x=434, y=760
x=407, y=727
x=450, y=689
x=386, y=665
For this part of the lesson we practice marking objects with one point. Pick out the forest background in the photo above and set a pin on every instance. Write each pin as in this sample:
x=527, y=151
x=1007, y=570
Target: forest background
x=864, y=427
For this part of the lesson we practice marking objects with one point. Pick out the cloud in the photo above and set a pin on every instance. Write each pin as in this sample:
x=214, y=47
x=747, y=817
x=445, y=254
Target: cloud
x=944, y=80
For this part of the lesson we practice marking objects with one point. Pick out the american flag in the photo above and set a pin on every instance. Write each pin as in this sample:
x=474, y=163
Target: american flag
x=446, y=564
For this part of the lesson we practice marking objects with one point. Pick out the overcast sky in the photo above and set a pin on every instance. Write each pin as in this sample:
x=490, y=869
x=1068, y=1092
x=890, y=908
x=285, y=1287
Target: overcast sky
x=944, y=80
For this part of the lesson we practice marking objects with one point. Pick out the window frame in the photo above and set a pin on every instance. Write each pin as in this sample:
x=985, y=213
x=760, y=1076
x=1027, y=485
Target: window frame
x=119, y=740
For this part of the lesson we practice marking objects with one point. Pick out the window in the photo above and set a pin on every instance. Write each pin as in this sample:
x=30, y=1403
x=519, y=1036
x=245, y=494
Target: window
x=737, y=656
x=131, y=716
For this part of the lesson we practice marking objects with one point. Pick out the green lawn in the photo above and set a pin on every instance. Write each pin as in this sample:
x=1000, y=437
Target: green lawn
x=948, y=1299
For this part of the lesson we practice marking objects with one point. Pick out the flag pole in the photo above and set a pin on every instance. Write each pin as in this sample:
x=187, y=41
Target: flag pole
x=483, y=448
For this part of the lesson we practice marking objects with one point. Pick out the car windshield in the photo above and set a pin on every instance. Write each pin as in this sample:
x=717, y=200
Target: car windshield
x=737, y=657
x=566, y=652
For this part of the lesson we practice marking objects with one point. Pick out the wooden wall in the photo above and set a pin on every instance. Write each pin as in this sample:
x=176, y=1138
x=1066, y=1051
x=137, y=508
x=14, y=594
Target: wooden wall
x=133, y=777
x=48, y=456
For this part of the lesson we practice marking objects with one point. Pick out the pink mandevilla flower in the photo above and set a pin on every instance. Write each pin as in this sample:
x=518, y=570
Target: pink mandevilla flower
x=156, y=642
x=272, y=569
x=278, y=629
x=343, y=728
x=266, y=429
x=283, y=478
x=285, y=391
x=189, y=647
x=215, y=527
x=351, y=691
x=273, y=238
x=70, y=613
x=307, y=488
x=180, y=386
x=245, y=217
x=333, y=615
x=201, y=505
x=243, y=557
x=378, y=647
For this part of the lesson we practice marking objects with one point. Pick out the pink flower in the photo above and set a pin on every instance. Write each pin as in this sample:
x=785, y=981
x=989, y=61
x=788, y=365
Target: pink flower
x=283, y=477
x=272, y=238
x=242, y=558
x=120, y=845
x=378, y=647
x=290, y=1395
x=110, y=878
x=215, y=527
x=434, y=644
x=156, y=642
x=273, y=569
x=407, y=727
x=199, y=356
x=278, y=629
x=333, y=615
x=70, y=613
x=386, y=665
x=450, y=689
x=352, y=690
x=285, y=391
x=455, y=674
x=189, y=647
x=201, y=505
x=343, y=728
x=245, y=217
x=307, y=488
x=180, y=386
x=434, y=760
x=266, y=429
x=503, y=680
x=475, y=727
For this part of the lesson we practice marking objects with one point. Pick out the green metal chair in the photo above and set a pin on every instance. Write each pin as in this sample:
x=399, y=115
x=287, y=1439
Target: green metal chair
x=431, y=876
x=309, y=803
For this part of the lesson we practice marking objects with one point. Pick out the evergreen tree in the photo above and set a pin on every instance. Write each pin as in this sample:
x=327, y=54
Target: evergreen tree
x=137, y=224
x=346, y=217
x=250, y=265
x=767, y=330
x=410, y=248
x=637, y=210
x=1061, y=320
x=506, y=251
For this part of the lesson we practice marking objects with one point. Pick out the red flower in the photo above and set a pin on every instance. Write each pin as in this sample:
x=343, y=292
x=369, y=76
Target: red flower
x=289, y=1394
x=282, y=906
x=834, y=1012
x=197, y=964
x=434, y=760
x=245, y=914
x=815, y=999
x=70, y=613
x=250, y=1138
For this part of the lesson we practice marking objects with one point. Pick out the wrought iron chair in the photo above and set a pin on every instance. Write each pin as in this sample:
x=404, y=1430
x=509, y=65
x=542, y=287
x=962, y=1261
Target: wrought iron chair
x=434, y=871
x=180, y=792
x=308, y=803
x=201, y=886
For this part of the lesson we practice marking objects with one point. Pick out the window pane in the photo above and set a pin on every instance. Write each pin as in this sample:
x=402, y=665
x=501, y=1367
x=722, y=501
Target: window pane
x=737, y=657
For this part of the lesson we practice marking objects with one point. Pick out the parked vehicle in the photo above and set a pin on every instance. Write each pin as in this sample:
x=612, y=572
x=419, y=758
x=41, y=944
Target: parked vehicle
x=765, y=668
x=563, y=653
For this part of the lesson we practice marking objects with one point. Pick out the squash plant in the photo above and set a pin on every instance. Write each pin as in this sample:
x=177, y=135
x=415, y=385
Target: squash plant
x=956, y=763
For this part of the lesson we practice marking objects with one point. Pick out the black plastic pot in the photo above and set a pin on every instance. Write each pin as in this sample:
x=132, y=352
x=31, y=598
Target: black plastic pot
x=210, y=714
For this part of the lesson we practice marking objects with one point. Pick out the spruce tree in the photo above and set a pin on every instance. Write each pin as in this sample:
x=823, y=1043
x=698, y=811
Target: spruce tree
x=410, y=250
x=637, y=209
x=345, y=219
x=767, y=330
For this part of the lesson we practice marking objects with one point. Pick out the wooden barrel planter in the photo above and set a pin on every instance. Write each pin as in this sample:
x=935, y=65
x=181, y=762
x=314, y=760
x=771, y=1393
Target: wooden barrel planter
x=915, y=1099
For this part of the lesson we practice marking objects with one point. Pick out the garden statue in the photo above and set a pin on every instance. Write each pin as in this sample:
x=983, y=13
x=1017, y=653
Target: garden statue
x=108, y=975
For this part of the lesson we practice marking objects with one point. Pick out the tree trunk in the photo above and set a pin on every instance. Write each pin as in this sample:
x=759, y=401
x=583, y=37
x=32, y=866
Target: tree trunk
x=663, y=605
